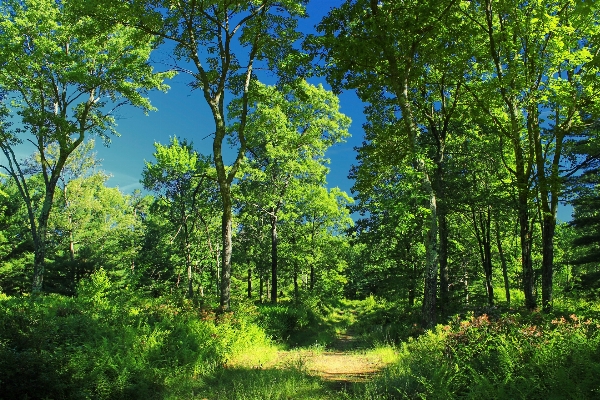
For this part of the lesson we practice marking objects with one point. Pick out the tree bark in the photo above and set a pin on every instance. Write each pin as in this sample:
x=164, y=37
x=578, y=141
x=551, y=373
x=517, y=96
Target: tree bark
x=444, y=278
x=431, y=255
x=526, y=261
x=504, y=266
x=548, y=229
x=273, y=259
x=249, y=283
x=260, y=288
x=483, y=229
x=549, y=187
x=226, y=232
x=39, y=239
x=296, y=290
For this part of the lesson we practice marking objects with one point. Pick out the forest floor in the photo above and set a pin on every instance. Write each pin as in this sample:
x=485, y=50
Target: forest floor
x=332, y=358
x=343, y=363
x=346, y=361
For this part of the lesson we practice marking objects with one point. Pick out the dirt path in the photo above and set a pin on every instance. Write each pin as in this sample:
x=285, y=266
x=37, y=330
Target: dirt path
x=344, y=362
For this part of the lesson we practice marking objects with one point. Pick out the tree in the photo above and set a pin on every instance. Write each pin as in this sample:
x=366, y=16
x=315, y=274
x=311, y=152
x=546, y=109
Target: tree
x=65, y=74
x=383, y=49
x=288, y=131
x=16, y=244
x=182, y=179
x=391, y=228
x=325, y=215
x=533, y=79
x=219, y=43
x=93, y=227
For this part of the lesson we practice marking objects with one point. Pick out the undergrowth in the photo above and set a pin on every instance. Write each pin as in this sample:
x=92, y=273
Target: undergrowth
x=111, y=345
x=516, y=356
x=118, y=344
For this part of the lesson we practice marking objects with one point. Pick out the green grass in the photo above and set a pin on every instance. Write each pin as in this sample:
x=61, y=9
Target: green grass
x=263, y=384
x=108, y=344
x=520, y=355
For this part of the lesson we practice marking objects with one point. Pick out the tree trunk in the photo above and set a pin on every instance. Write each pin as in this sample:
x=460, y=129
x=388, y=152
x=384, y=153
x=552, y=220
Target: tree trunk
x=39, y=240
x=431, y=256
x=39, y=243
x=466, y=287
x=217, y=279
x=190, y=280
x=548, y=229
x=488, y=272
x=444, y=278
x=260, y=288
x=440, y=135
x=188, y=259
x=483, y=228
x=296, y=290
x=549, y=188
x=267, y=288
x=504, y=266
x=526, y=261
x=274, y=259
x=227, y=249
x=249, y=283
x=412, y=288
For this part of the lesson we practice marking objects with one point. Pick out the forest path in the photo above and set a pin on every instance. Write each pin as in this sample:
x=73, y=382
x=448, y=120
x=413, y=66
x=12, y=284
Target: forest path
x=346, y=360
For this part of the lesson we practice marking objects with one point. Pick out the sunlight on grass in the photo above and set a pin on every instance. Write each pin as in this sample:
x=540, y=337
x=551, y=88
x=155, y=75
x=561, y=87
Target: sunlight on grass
x=255, y=357
x=269, y=384
x=387, y=354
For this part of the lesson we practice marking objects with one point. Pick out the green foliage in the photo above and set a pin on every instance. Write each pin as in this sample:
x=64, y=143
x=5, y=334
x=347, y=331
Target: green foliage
x=108, y=344
x=16, y=245
x=384, y=321
x=515, y=356
x=282, y=321
x=182, y=224
x=62, y=76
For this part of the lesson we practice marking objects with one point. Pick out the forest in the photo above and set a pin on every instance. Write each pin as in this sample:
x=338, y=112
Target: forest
x=238, y=271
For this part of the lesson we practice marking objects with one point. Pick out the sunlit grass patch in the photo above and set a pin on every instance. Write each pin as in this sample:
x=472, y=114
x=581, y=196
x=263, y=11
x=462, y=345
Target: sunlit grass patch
x=263, y=384
x=255, y=356
x=386, y=353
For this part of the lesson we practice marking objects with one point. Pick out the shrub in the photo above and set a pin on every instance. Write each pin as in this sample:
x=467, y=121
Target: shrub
x=529, y=356
x=108, y=344
x=281, y=321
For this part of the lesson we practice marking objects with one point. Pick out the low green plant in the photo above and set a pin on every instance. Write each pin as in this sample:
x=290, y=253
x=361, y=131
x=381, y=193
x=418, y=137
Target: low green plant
x=109, y=344
x=282, y=320
x=529, y=355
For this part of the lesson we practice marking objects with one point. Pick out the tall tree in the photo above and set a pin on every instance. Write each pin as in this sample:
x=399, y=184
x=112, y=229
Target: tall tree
x=533, y=77
x=219, y=43
x=382, y=49
x=94, y=226
x=182, y=179
x=64, y=74
x=288, y=131
x=322, y=220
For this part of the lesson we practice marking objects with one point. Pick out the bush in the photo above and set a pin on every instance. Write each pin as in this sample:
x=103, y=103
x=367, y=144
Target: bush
x=113, y=344
x=281, y=321
x=529, y=356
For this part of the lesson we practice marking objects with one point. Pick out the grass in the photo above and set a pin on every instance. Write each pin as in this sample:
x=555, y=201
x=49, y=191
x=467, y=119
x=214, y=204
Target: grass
x=264, y=384
x=113, y=345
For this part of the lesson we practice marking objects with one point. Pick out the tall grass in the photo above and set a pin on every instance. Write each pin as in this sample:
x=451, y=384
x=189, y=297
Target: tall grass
x=529, y=356
x=110, y=345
